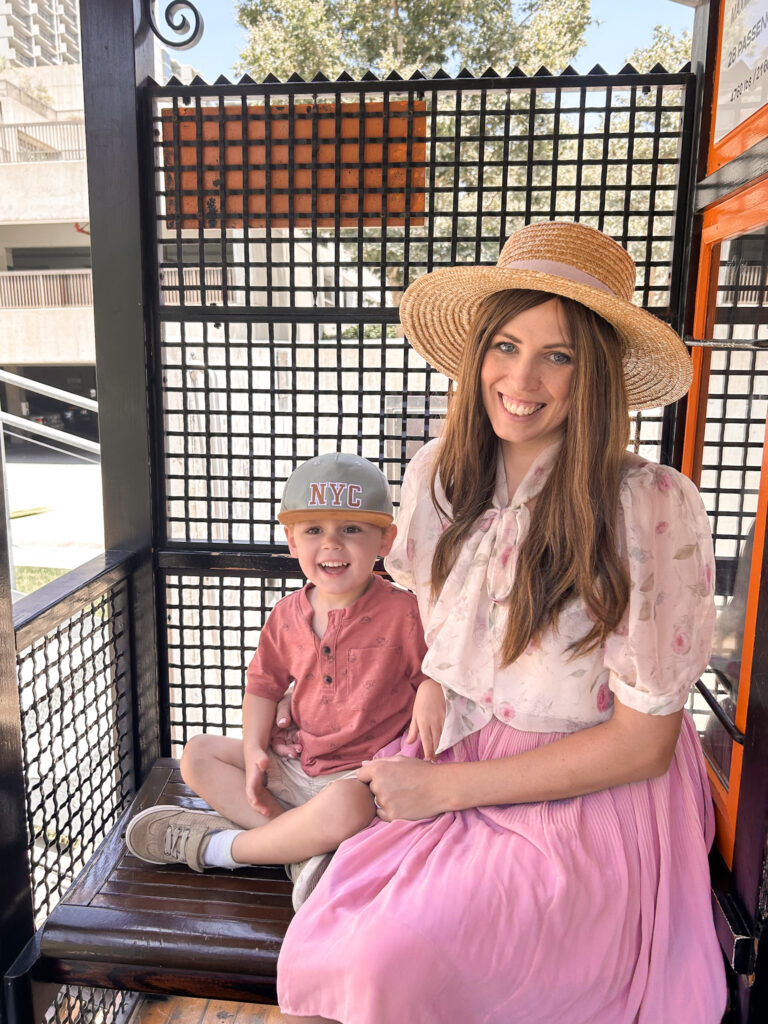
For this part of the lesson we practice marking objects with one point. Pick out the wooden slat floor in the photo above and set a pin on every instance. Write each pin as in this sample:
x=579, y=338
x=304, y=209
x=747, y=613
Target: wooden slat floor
x=183, y=1010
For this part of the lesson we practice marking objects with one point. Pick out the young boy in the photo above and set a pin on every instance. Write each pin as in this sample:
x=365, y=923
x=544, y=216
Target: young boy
x=353, y=644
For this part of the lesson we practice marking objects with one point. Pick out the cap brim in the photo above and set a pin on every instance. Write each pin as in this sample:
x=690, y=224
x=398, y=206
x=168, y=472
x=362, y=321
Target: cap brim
x=298, y=515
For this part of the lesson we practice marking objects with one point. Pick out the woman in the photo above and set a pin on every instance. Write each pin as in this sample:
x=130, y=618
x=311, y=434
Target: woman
x=552, y=865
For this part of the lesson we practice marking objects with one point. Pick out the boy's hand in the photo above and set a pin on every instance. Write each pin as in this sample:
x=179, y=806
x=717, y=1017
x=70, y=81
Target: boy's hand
x=284, y=738
x=256, y=764
x=428, y=717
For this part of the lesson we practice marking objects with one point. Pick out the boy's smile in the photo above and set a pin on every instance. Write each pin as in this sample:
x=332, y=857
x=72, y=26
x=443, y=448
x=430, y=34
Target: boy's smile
x=338, y=554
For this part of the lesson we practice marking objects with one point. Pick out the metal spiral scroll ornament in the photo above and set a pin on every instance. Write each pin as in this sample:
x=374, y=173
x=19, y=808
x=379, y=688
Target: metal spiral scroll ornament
x=176, y=18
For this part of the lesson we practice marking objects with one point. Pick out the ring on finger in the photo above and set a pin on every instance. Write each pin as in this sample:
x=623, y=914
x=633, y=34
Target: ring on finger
x=376, y=804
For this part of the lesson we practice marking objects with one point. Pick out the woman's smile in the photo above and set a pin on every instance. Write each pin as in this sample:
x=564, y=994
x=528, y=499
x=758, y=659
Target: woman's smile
x=515, y=408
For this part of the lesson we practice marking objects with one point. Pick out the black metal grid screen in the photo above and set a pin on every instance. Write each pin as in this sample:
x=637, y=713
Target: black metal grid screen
x=257, y=187
x=738, y=392
x=290, y=217
x=245, y=403
x=75, y=721
x=213, y=629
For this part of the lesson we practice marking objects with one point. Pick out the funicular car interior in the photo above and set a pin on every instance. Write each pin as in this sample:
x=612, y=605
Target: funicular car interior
x=250, y=245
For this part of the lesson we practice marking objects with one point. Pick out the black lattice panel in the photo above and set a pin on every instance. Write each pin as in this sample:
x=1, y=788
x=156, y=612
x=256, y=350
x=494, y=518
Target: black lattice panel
x=290, y=218
x=213, y=629
x=733, y=444
x=245, y=403
x=738, y=393
x=258, y=190
x=75, y=720
x=645, y=433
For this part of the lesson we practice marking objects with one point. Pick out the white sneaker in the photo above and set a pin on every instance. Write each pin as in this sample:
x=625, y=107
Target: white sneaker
x=305, y=876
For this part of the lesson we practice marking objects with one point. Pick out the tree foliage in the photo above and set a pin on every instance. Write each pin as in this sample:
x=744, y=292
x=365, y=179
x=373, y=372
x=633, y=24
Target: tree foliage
x=331, y=36
x=666, y=49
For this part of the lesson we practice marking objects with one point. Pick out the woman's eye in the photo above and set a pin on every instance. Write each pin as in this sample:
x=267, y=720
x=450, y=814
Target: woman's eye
x=505, y=346
x=561, y=358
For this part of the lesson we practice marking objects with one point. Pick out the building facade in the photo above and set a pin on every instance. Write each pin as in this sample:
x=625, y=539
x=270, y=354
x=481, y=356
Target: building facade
x=39, y=32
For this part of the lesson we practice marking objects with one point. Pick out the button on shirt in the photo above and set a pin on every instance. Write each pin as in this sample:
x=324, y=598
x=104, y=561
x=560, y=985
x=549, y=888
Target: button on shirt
x=354, y=686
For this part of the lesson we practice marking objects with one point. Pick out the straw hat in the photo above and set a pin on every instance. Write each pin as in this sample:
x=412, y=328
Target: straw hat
x=567, y=259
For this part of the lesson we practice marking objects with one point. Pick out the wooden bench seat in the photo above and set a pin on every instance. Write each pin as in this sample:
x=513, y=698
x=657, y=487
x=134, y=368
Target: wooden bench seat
x=127, y=924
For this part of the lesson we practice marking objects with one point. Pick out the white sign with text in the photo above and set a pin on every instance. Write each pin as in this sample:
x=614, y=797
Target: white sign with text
x=743, y=85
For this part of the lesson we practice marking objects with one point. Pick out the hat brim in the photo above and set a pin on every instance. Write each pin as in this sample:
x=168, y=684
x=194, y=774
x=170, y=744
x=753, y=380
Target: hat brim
x=438, y=309
x=298, y=515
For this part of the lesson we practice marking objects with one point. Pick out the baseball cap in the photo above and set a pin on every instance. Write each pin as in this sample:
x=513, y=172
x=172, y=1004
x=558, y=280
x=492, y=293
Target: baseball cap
x=340, y=485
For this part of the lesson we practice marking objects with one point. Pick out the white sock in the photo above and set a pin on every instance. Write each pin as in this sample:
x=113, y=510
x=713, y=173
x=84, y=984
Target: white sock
x=218, y=852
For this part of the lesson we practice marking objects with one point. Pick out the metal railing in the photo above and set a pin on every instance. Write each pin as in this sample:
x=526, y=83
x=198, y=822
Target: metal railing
x=41, y=141
x=47, y=36
x=44, y=289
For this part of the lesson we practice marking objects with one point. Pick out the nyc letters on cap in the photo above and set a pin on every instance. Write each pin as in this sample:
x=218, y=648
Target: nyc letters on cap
x=338, y=484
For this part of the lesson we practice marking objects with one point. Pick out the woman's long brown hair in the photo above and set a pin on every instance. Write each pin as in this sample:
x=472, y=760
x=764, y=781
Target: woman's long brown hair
x=570, y=549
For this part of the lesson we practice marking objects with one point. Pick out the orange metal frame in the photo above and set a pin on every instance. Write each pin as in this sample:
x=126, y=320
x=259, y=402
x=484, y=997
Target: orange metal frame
x=747, y=134
x=735, y=215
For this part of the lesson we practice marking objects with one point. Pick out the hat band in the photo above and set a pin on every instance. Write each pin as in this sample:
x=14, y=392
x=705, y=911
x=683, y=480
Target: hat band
x=560, y=270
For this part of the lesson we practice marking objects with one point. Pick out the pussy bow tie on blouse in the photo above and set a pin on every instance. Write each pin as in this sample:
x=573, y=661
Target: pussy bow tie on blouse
x=505, y=526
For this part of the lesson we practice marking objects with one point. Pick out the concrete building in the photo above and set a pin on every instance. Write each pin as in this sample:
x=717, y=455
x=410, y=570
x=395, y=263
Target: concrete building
x=46, y=321
x=39, y=32
x=46, y=317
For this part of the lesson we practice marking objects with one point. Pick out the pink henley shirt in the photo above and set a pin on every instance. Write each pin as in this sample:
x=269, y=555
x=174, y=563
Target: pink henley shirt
x=354, y=687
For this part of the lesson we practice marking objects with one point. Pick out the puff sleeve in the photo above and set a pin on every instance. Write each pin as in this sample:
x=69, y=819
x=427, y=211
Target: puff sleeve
x=663, y=643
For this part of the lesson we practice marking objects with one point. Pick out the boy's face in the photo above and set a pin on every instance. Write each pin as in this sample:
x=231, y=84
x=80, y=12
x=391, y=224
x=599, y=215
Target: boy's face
x=337, y=555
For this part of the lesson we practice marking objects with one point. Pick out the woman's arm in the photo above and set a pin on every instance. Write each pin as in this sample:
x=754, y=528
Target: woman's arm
x=629, y=747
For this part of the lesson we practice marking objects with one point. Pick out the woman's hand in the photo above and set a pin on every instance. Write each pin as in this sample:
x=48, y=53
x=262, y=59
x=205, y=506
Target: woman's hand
x=428, y=717
x=403, y=787
x=284, y=738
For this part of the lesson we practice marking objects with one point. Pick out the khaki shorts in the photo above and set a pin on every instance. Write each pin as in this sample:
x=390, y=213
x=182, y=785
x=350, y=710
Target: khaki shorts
x=290, y=785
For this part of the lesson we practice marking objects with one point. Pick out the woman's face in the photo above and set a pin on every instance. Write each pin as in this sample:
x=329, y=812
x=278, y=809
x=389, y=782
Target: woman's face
x=526, y=378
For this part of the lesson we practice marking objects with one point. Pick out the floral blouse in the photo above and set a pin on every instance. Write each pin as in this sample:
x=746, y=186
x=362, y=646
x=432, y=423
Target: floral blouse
x=649, y=662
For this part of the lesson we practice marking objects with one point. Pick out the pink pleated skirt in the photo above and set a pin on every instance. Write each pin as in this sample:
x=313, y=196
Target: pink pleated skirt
x=593, y=910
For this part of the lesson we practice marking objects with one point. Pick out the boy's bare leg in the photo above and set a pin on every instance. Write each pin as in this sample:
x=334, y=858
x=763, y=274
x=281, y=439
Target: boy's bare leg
x=213, y=766
x=339, y=811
